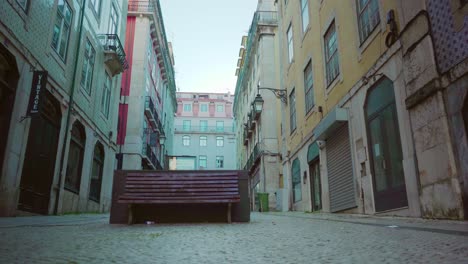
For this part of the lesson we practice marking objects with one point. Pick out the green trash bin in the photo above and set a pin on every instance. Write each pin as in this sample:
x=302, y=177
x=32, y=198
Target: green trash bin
x=263, y=202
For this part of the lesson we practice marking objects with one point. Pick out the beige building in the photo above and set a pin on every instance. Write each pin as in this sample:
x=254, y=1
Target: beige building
x=374, y=121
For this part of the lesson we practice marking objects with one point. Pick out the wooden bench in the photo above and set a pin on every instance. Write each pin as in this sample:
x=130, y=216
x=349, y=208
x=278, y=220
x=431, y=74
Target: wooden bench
x=180, y=188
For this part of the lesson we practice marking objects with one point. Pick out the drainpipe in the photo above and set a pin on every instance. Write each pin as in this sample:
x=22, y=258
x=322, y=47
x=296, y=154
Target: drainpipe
x=70, y=106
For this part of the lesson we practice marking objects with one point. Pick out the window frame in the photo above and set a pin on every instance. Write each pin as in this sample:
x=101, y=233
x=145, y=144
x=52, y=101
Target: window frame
x=78, y=143
x=292, y=111
x=63, y=22
x=203, y=125
x=219, y=141
x=186, y=140
x=187, y=108
x=218, y=107
x=186, y=125
x=203, y=139
x=360, y=12
x=290, y=42
x=205, y=107
x=87, y=61
x=219, y=162
x=200, y=161
x=106, y=95
x=96, y=8
x=25, y=6
x=219, y=128
x=113, y=14
x=309, y=88
x=304, y=5
x=330, y=58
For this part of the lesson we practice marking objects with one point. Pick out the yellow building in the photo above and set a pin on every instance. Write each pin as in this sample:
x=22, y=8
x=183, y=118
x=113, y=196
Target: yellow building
x=349, y=68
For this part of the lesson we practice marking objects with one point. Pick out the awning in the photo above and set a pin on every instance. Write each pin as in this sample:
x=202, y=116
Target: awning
x=332, y=121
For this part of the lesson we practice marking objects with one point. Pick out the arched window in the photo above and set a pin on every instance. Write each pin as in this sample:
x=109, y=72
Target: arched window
x=296, y=180
x=96, y=174
x=186, y=140
x=75, y=158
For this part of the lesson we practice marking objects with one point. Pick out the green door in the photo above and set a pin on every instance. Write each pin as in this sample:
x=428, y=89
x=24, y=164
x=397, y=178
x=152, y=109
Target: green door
x=385, y=148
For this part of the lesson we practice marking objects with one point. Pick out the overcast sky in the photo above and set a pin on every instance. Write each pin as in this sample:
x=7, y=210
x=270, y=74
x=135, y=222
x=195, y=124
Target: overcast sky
x=206, y=37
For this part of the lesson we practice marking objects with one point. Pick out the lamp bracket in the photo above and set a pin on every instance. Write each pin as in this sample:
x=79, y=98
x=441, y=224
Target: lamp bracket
x=279, y=93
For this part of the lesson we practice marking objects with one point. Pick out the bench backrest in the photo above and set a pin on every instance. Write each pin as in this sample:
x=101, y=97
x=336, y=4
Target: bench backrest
x=181, y=187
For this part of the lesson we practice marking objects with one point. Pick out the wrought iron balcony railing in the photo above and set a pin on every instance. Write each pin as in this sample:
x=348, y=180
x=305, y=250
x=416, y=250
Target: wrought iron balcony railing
x=252, y=158
x=147, y=6
x=116, y=60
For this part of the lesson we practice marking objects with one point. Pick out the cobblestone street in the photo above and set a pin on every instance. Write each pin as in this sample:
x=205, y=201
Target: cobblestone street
x=268, y=238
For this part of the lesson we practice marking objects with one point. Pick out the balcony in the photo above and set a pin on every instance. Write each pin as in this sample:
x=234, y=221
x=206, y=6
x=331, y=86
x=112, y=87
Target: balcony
x=253, y=158
x=152, y=114
x=246, y=138
x=114, y=54
x=141, y=7
x=150, y=158
x=204, y=129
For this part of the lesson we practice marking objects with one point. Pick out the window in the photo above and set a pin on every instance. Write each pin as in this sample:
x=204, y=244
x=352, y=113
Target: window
x=96, y=174
x=219, y=126
x=187, y=108
x=305, y=14
x=96, y=6
x=106, y=94
x=62, y=29
x=296, y=180
x=219, y=141
x=368, y=17
x=203, y=141
x=219, y=161
x=308, y=86
x=202, y=162
x=113, y=21
x=331, y=54
x=23, y=4
x=290, y=44
x=187, y=125
x=88, y=67
x=203, y=125
x=219, y=108
x=204, y=108
x=292, y=111
x=75, y=158
x=186, y=140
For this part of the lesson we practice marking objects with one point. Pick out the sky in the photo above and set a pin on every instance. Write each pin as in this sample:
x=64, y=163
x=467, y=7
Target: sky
x=206, y=37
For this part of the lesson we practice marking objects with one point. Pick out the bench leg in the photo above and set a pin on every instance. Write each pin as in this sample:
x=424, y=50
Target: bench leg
x=229, y=213
x=130, y=214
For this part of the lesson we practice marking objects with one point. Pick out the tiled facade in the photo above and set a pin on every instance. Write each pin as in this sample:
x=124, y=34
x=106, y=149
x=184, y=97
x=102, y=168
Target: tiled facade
x=62, y=159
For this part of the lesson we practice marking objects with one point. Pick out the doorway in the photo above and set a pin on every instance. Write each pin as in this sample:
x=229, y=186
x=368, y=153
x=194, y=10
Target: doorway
x=315, y=185
x=40, y=158
x=385, y=148
x=8, y=80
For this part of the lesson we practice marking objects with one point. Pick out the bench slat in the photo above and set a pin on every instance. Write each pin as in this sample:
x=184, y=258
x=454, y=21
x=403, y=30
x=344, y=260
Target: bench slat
x=179, y=190
x=178, y=201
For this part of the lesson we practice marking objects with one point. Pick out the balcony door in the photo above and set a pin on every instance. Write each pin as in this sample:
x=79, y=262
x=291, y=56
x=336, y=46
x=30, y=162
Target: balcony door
x=385, y=148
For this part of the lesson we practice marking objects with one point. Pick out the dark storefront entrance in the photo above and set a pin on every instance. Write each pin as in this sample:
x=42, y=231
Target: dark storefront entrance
x=8, y=81
x=39, y=161
x=385, y=148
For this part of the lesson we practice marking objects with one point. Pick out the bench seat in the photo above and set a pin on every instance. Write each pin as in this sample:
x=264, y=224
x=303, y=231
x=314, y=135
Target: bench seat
x=177, y=188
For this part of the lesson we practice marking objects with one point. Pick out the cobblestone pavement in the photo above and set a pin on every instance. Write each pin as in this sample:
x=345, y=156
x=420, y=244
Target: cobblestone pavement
x=268, y=238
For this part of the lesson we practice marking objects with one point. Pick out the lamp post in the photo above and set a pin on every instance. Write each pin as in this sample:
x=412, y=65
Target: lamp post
x=279, y=93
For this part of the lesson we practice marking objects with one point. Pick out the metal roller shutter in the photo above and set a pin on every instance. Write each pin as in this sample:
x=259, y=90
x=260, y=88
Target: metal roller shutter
x=340, y=171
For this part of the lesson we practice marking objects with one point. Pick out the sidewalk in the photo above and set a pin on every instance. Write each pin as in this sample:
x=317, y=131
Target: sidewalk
x=53, y=220
x=438, y=226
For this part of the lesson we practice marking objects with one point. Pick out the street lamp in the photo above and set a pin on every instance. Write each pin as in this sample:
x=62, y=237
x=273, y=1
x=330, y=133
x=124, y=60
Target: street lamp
x=279, y=93
x=258, y=104
x=162, y=139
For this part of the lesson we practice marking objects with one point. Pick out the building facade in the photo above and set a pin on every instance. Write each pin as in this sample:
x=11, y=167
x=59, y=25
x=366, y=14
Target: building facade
x=60, y=75
x=147, y=98
x=257, y=76
x=378, y=124
x=204, y=130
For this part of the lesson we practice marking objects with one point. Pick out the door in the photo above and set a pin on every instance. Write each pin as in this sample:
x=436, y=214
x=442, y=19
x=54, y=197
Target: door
x=8, y=80
x=315, y=185
x=40, y=159
x=385, y=149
